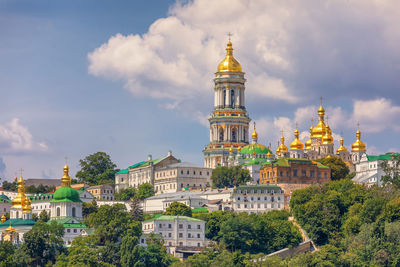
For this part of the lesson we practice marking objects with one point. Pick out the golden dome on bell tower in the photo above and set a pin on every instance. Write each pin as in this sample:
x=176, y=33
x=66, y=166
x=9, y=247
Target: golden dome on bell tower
x=66, y=179
x=229, y=64
x=320, y=129
x=342, y=147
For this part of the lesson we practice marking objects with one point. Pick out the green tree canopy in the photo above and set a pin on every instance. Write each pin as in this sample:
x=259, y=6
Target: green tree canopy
x=229, y=176
x=10, y=186
x=43, y=243
x=97, y=169
x=89, y=208
x=40, y=189
x=145, y=190
x=126, y=194
x=178, y=209
x=44, y=216
x=392, y=171
x=339, y=169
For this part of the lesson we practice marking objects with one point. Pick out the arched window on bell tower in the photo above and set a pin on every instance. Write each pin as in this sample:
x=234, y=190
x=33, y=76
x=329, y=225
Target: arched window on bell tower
x=223, y=105
x=221, y=134
x=58, y=212
x=234, y=135
x=73, y=212
x=232, y=98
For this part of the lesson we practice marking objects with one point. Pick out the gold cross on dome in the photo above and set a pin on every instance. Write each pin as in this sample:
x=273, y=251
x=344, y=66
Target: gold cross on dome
x=229, y=35
x=320, y=100
x=20, y=171
x=66, y=160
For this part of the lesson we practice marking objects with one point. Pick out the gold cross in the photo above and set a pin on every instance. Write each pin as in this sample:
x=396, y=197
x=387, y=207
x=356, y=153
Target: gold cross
x=229, y=35
x=21, y=170
x=66, y=160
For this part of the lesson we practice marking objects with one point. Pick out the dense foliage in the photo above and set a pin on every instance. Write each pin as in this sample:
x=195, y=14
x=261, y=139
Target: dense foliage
x=178, y=209
x=40, y=189
x=143, y=191
x=392, y=171
x=252, y=233
x=126, y=194
x=358, y=225
x=339, y=169
x=229, y=176
x=10, y=186
x=97, y=169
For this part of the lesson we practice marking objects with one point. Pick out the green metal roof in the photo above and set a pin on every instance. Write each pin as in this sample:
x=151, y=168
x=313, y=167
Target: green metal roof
x=255, y=148
x=200, y=210
x=17, y=223
x=387, y=156
x=64, y=222
x=124, y=171
x=2, y=196
x=66, y=194
x=171, y=218
x=41, y=197
x=267, y=187
x=255, y=162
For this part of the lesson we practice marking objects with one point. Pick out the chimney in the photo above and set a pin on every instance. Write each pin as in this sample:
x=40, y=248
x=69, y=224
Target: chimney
x=149, y=157
x=169, y=153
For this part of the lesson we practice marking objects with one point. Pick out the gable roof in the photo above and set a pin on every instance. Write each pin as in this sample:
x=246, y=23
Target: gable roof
x=387, y=156
x=171, y=218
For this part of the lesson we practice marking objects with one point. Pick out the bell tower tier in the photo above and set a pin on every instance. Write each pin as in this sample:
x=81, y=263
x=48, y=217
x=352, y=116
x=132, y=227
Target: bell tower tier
x=229, y=122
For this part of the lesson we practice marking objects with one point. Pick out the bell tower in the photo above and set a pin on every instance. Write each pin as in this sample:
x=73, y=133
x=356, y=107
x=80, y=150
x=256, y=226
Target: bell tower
x=229, y=122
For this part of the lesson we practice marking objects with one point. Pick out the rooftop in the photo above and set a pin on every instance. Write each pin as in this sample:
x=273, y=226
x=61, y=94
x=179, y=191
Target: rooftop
x=171, y=218
x=387, y=156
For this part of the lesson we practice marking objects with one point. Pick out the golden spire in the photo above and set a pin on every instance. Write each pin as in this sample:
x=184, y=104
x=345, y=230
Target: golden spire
x=342, y=147
x=319, y=130
x=3, y=219
x=296, y=144
x=254, y=135
x=19, y=201
x=66, y=179
x=229, y=64
x=358, y=145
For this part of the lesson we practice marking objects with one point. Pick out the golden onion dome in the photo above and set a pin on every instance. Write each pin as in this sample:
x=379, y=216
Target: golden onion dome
x=319, y=130
x=17, y=202
x=254, y=135
x=268, y=154
x=66, y=179
x=229, y=64
x=342, y=147
x=230, y=150
x=3, y=218
x=358, y=145
x=10, y=229
x=308, y=144
x=327, y=138
x=282, y=148
x=239, y=149
x=26, y=207
x=296, y=144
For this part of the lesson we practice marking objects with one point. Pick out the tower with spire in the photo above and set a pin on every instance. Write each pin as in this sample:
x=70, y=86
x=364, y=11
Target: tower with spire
x=296, y=147
x=358, y=147
x=229, y=122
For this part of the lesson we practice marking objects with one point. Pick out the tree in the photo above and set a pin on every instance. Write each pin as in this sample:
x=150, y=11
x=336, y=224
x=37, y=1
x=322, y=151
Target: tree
x=10, y=186
x=44, y=242
x=178, y=209
x=44, y=216
x=145, y=190
x=40, y=189
x=391, y=169
x=230, y=176
x=89, y=208
x=236, y=233
x=97, y=169
x=6, y=249
x=136, y=211
x=339, y=169
x=126, y=194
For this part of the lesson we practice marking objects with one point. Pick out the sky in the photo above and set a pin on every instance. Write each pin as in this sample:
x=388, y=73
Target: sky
x=133, y=78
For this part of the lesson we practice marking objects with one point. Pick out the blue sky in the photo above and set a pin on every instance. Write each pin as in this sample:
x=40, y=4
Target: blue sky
x=135, y=77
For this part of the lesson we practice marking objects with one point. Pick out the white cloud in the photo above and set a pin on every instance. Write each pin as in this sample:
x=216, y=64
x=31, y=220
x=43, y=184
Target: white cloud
x=16, y=138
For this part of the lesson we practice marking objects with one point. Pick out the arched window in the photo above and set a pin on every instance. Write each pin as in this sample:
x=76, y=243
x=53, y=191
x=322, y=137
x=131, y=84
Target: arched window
x=233, y=135
x=58, y=212
x=73, y=212
x=17, y=214
x=221, y=134
x=232, y=98
x=224, y=98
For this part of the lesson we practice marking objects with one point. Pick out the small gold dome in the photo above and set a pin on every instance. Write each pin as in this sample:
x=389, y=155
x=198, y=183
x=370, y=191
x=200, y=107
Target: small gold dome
x=296, y=144
x=26, y=207
x=239, y=149
x=230, y=150
x=342, y=147
x=66, y=179
x=308, y=144
x=229, y=64
x=358, y=145
x=3, y=218
x=254, y=135
x=268, y=154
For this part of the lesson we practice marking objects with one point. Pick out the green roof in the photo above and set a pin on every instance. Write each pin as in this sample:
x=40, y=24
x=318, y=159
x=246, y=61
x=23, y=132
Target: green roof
x=2, y=196
x=286, y=162
x=40, y=197
x=255, y=162
x=17, y=223
x=255, y=148
x=66, y=194
x=64, y=221
x=387, y=156
x=171, y=218
x=268, y=187
x=146, y=163
x=200, y=210
x=124, y=171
